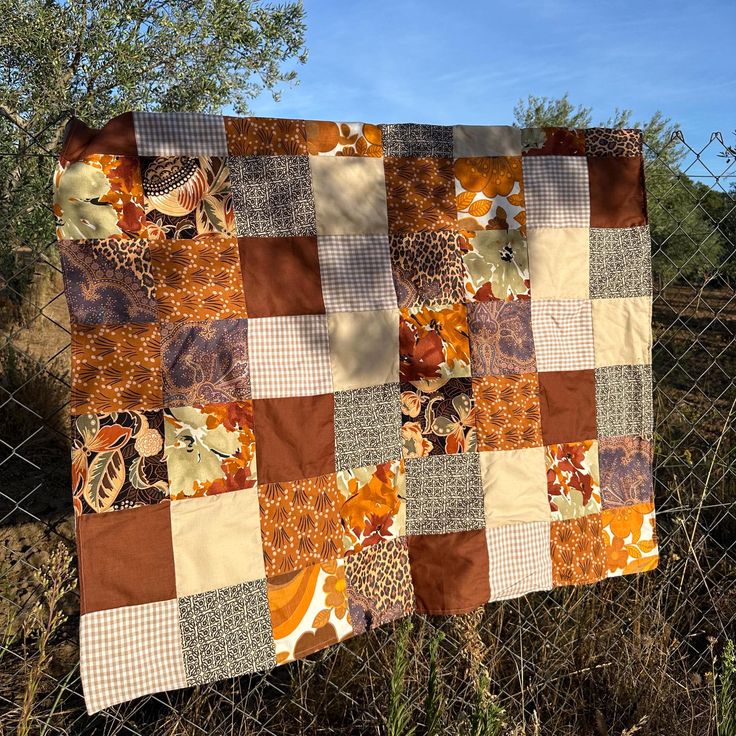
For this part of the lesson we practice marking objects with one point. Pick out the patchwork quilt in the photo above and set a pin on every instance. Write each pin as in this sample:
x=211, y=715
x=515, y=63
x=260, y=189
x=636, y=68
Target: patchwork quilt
x=328, y=374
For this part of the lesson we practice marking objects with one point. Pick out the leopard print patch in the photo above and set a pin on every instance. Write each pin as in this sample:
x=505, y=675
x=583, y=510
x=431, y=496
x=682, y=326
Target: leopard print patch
x=610, y=142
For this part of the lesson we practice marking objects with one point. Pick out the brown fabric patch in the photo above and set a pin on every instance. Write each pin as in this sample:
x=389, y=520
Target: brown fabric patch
x=449, y=571
x=617, y=196
x=126, y=558
x=567, y=403
x=116, y=137
x=265, y=137
x=296, y=437
x=296, y=261
x=578, y=553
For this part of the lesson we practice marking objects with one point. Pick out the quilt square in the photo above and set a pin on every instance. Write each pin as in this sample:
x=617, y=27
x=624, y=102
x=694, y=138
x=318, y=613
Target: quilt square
x=438, y=420
x=449, y=571
x=186, y=197
x=286, y=451
x=507, y=411
x=623, y=396
x=98, y=197
x=367, y=426
x=197, y=280
x=620, y=262
x=179, y=134
x=553, y=141
x=427, y=268
x=496, y=265
x=613, y=142
x=373, y=508
x=420, y=194
x=217, y=541
x=130, y=651
x=226, y=632
x=309, y=610
x=626, y=471
x=272, y=195
x=209, y=449
x=108, y=281
x=518, y=560
x=117, y=461
x=630, y=539
x=556, y=191
x=364, y=348
x=622, y=331
x=356, y=273
x=578, y=552
x=489, y=193
x=470, y=141
x=568, y=403
x=295, y=260
x=300, y=523
x=290, y=356
x=573, y=479
x=256, y=136
x=514, y=487
x=132, y=548
x=205, y=362
x=115, y=368
x=559, y=262
x=379, y=585
x=433, y=343
x=617, y=196
x=501, y=339
x=328, y=138
x=443, y=494
x=417, y=140
x=563, y=335
x=349, y=195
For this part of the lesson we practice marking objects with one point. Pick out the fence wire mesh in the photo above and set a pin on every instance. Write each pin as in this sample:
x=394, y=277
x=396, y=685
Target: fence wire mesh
x=631, y=655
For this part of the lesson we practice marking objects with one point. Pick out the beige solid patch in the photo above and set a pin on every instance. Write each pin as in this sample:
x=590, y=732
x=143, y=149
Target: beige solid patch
x=558, y=262
x=514, y=486
x=470, y=141
x=622, y=331
x=217, y=541
x=364, y=348
x=349, y=195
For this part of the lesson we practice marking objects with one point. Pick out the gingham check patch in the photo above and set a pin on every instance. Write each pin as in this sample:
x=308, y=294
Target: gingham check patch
x=179, y=134
x=130, y=651
x=356, y=273
x=289, y=356
x=563, y=335
x=518, y=559
x=556, y=191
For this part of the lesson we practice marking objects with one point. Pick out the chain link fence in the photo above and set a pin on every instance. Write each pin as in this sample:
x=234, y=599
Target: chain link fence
x=640, y=654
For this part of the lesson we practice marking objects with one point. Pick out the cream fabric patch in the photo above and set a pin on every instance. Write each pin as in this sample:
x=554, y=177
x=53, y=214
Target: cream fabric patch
x=364, y=348
x=349, y=195
x=622, y=331
x=558, y=262
x=514, y=486
x=217, y=541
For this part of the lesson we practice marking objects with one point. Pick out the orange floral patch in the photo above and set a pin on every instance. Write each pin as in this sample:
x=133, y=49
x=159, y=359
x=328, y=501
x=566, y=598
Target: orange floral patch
x=265, y=137
x=630, y=539
x=489, y=193
x=507, y=411
x=578, y=554
x=197, y=280
x=325, y=138
x=100, y=196
x=419, y=194
x=433, y=344
x=300, y=523
x=372, y=504
x=116, y=368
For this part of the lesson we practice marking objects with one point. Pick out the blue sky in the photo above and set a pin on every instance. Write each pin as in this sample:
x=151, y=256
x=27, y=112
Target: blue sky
x=469, y=62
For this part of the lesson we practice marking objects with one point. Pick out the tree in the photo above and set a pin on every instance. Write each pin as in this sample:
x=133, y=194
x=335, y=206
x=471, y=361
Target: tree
x=683, y=213
x=99, y=58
